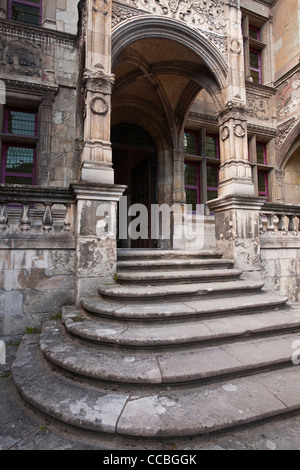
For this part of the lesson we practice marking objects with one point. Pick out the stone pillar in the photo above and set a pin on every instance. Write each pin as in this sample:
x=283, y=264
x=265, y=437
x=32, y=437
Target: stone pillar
x=97, y=84
x=96, y=247
x=235, y=171
x=44, y=149
x=237, y=230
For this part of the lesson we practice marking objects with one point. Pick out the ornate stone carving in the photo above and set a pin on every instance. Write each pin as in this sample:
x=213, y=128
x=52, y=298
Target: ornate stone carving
x=257, y=107
x=22, y=57
x=101, y=6
x=98, y=81
x=239, y=130
x=99, y=106
x=198, y=13
x=225, y=133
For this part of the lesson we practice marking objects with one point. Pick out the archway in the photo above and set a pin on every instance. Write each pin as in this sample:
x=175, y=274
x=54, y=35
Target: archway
x=158, y=77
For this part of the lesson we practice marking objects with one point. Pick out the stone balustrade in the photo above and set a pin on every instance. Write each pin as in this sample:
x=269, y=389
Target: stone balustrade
x=279, y=219
x=36, y=214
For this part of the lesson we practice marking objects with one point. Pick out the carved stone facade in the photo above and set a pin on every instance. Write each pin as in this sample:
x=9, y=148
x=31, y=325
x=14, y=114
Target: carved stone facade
x=170, y=70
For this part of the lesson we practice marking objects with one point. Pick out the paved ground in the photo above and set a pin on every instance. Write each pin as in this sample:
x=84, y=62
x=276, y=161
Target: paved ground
x=23, y=429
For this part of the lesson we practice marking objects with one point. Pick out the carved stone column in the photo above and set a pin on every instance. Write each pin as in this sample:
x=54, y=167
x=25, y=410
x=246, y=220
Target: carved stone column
x=235, y=170
x=45, y=127
x=97, y=154
x=97, y=85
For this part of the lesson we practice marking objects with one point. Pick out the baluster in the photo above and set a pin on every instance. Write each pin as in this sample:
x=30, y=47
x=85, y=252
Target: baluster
x=67, y=221
x=270, y=224
x=261, y=225
x=48, y=219
x=25, y=221
x=281, y=223
x=292, y=225
x=3, y=216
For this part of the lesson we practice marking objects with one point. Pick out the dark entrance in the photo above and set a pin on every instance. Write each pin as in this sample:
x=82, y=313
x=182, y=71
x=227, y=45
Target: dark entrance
x=134, y=160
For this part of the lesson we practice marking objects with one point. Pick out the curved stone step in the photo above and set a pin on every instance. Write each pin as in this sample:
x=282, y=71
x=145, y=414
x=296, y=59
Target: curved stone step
x=185, y=412
x=156, y=254
x=183, y=310
x=180, y=333
x=173, y=264
x=166, y=367
x=177, y=292
x=184, y=277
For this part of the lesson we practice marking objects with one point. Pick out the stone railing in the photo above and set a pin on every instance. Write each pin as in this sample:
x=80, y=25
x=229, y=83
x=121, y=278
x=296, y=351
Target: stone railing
x=280, y=223
x=36, y=214
x=279, y=217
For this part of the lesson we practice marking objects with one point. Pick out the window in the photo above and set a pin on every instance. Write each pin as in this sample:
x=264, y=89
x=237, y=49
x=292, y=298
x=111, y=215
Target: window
x=255, y=66
x=263, y=189
x=201, y=170
x=254, y=30
x=258, y=158
x=25, y=11
x=261, y=153
x=19, y=153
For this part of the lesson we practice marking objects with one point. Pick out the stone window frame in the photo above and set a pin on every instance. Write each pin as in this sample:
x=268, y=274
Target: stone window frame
x=48, y=13
x=253, y=22
x=39, y=99
x=202, y=160
x=38, y=6
x=258, y=168
x=18, y=141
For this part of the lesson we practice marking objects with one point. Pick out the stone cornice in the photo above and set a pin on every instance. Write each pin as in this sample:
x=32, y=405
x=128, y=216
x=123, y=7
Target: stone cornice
x=32, y=87
x=35, y=33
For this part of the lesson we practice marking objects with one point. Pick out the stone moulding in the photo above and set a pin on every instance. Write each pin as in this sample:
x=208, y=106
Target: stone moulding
x=206, y=17
x=176, y=31
x=197, y=13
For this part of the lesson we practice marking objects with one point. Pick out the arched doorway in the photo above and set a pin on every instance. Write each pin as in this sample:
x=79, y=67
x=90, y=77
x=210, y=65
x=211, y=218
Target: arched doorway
x=135, y=165
x=157, y=78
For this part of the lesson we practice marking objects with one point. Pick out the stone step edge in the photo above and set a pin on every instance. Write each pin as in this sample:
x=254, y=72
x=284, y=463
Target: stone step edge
x=159, y=265
x=122, y=292
x=164, y=368
x=108, y=332
x=171, y=276
x=138, y=312
x=178, y=414
x=167, y=254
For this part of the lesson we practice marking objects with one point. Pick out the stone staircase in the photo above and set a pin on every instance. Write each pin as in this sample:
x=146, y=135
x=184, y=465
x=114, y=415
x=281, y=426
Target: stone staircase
x=180, y=345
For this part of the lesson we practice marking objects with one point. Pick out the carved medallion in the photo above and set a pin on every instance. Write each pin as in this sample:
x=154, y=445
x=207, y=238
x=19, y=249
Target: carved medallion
x=99, y=106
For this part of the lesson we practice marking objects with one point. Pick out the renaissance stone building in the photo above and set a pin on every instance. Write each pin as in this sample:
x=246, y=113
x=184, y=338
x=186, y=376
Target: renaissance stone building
x=162, y=101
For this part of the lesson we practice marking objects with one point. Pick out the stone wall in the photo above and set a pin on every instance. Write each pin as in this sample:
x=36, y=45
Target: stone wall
x=280, y=268
x=34, y=285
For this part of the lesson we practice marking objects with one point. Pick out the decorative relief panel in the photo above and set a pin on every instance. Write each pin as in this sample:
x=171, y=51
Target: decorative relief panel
x=21, y=57
x=258, y=107
x=207, y=16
